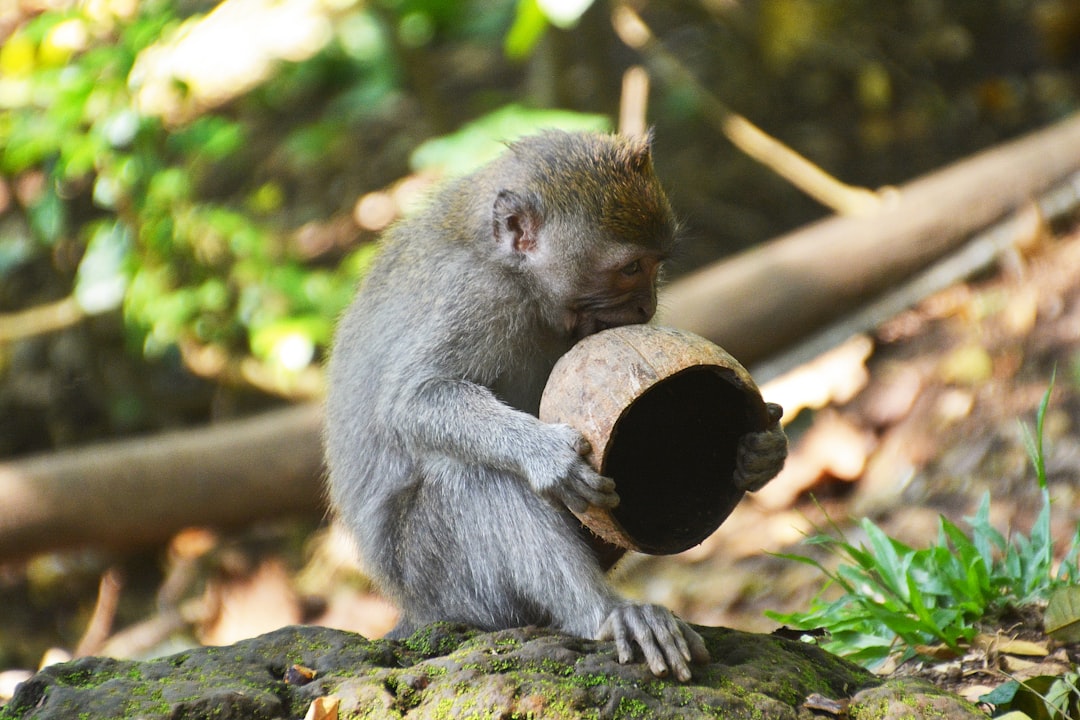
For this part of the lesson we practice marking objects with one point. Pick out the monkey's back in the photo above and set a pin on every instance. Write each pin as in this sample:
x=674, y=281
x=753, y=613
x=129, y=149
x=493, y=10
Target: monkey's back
x=430, y=307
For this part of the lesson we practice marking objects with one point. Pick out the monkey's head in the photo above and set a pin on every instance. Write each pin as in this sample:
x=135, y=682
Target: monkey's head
x=584, y=221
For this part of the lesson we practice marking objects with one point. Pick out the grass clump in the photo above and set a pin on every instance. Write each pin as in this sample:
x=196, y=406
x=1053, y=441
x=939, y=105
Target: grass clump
x=900, y=600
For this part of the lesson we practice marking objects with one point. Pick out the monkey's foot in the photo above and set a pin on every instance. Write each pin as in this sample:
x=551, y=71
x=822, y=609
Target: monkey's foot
x=761, y=455
x=668, y=644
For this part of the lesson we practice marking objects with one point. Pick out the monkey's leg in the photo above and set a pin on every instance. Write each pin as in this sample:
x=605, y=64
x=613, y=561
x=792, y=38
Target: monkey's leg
x=480, y=547
x=477, y=545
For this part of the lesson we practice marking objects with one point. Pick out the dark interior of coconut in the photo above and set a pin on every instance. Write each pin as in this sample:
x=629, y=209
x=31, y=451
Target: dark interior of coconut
x=672, y=455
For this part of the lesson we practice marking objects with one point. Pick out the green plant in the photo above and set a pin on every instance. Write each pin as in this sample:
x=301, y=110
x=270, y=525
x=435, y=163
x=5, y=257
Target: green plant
x=153, y=188
x=898, y=599
x=166, y=208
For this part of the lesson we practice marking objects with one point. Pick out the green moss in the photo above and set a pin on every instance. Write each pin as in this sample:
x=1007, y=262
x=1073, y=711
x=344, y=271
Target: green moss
x=629, y=708
x=547, y=666
x=438, y=639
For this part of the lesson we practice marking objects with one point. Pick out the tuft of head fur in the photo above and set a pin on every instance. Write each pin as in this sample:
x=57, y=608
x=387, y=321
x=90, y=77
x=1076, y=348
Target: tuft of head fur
x=606, y=177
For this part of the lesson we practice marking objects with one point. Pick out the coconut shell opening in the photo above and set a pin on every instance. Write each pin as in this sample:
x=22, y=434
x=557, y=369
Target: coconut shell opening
x=663, y=410
x=672, y=455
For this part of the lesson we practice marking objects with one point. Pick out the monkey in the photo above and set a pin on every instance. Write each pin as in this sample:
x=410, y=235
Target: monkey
x=457, y=495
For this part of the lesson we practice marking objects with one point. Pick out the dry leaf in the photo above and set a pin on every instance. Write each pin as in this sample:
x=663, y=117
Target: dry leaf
x=1011, y=646
x=971, y=366
x=972, y=693
x=323, y=708
x=1024, y=647
x=299, y=675
x=253, y=605
x=820, y=703
x=938, y=652
x=1020, y=667
x=1062, y=618
x=835, y=376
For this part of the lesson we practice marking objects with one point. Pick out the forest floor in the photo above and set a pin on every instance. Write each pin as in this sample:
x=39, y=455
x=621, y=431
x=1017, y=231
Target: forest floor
x=924, y=417
x=918, y=420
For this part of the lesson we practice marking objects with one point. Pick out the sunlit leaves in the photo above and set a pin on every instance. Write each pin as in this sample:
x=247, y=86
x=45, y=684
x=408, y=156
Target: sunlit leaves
x=102, y=278
x=564, y=13
x=1044, y=697
x=896, y=599
x=210, y=138
x=482, y=139
x=531, y=20
x=186, y=221
x=48, y=216
x=529, y=26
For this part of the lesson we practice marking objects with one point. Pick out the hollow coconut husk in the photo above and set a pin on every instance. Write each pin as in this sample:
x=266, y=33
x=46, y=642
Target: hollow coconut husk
x=663, y=410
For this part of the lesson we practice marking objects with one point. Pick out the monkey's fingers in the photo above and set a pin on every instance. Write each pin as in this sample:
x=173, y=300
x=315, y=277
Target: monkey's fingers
x=599, y=490
x=613, y=629
x=582, y=446
x=660, y=636
x=775, y=412
x=699, y=653
x=760, y=458
x=580, y=497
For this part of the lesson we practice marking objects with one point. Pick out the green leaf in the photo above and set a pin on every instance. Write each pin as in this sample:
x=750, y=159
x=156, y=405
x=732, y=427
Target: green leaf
x=1062, y=618
x=1062, y=696
x=48, y=216
x=483, y=139
x=290, y=343
x=1036, y=697
x=1069, y=570
x=564, y=13
x=890, y=565
x=102, y=278
x=1034, y=444
x=984, y=536
x=529, y=26
x=1002, y=694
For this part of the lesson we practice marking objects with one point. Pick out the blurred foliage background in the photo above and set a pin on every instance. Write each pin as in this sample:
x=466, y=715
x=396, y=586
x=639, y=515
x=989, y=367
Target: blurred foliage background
x=189, y=191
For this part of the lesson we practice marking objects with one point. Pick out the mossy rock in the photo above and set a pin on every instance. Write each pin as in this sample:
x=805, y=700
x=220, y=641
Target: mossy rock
x=449, y=671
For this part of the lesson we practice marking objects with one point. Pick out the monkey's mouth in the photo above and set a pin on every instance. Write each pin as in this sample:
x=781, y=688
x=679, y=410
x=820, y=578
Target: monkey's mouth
x=595, y=325
x=592, y=326
x=605, y=325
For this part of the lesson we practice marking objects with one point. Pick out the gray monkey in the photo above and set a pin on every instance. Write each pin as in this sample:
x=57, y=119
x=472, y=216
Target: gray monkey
x=456, y=493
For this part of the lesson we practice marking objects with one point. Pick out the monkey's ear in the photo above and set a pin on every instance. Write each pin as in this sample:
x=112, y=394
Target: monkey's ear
x=515, y=223
x=639, y=150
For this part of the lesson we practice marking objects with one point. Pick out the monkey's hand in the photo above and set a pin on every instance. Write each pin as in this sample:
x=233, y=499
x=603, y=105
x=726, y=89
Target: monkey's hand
x=668, y=644
x=761, y=455
x=559, y=471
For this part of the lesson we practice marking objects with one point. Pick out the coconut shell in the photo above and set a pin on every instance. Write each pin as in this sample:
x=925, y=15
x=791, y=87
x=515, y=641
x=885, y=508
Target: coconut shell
x=663, y=410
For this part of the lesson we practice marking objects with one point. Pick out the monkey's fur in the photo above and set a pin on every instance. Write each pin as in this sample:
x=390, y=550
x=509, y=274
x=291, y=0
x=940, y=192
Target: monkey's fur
x=455, y=492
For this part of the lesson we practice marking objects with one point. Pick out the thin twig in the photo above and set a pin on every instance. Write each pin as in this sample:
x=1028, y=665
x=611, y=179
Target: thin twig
x=634, y=102
x=40, y=320
x=101, y=621
x=752, y=140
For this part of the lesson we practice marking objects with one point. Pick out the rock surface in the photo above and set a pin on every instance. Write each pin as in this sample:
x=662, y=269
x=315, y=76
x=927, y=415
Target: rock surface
x=448, y=671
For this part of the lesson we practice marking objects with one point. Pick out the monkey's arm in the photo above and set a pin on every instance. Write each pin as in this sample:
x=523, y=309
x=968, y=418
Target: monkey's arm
x=761, y=455
x=464, y=420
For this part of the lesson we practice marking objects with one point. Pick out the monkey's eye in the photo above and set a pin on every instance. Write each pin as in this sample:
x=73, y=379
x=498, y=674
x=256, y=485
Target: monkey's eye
x=631, y=269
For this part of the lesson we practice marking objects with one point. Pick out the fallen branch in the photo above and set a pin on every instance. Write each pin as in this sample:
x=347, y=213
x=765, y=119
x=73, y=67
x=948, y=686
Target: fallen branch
x=143, y=491
x=40, y=320
x=763, y=300
x=1020, y=229
x=135, y=492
